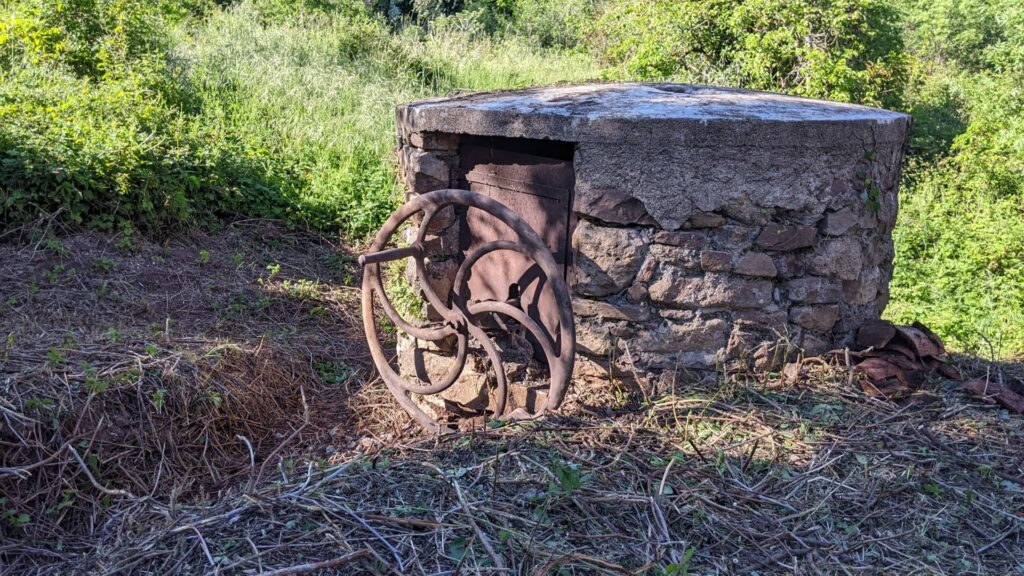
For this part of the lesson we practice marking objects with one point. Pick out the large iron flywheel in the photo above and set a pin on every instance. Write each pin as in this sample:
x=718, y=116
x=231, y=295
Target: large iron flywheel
x=461, y=317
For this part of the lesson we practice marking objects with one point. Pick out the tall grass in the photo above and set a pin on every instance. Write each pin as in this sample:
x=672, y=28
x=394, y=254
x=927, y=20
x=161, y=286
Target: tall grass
x=315, y=95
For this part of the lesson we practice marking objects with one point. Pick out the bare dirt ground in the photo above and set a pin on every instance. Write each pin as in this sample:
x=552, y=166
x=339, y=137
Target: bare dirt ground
x=205, y=405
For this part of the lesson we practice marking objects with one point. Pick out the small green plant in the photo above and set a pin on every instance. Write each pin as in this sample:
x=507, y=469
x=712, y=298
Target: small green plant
x=53, y=274
x=126, y=238
x=55, y=246
x=933, y=490
x=681, y=568
x=334, y=371
x=114, y=335
x=11, y=516
x=95, y=386
x=66, y=502
x=870, y=196
x=569, y=479
x=104, y=264
x=204, y=257
x=8, y=346
x=302, y=289
x=55, y=358
x=401, y=293
x=215, y=398
x=39, y=405
x=158, y=398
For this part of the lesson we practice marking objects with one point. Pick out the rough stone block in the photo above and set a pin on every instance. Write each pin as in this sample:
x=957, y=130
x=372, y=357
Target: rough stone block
x=434, y=141
x=691, y=240
x=611, y=205
x=812, y=290
x=606, y=259
x=420, y=183
x=815, y=345
x=756, y=264
x=594, y=336
x=815, y=318
x=429, y=164
x=789, y=265
x=864, y=289
x=531, y=398
x=838, y=223
x=705, y=220
x=674, y=256
x=637, y=293
x=715, y=261
x=712, y=291
x=774, y=320
x=722, y=291
x=744, y=209
x=842, y=257
x=609, y=310
x=781, y=238
x=469, y=391
x=441, y=276
x=672, y=288
x=703, y=336
x=734, y=238
x=677, y=315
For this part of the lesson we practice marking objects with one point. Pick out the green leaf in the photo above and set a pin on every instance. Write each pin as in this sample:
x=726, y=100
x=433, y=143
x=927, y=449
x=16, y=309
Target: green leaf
x=457, y=548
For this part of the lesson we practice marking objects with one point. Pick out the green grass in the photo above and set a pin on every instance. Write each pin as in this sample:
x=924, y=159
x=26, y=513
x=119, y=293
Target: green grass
x=316, y=94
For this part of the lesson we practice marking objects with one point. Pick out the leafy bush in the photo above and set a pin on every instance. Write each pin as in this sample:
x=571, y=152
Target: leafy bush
x=960, y=239
x=112, y=111
x=552, y=23
x=848, y=50
x=84, y=112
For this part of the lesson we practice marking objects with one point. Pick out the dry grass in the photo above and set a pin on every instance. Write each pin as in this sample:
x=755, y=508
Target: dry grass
x=171, y=372
x=735, y=475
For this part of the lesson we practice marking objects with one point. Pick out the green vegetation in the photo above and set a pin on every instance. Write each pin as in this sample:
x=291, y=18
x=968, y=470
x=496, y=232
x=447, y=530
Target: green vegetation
x=960, y=239
x=151, y=116
x=847, y=50
x=129, y=111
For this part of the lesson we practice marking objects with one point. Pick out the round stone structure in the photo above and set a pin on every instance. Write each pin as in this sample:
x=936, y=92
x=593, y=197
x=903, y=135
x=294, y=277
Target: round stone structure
x=699, y=227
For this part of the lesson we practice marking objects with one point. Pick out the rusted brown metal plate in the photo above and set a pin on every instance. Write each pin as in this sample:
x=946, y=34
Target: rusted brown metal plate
x=875, y=334
x=535, y=180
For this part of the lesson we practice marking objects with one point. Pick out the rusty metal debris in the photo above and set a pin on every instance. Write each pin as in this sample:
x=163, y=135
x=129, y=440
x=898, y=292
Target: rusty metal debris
x=1001, y=392
x=462, y=319
x=896, y=360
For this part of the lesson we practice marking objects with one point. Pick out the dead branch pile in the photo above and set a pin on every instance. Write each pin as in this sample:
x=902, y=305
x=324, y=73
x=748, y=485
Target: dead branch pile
x=732, y=476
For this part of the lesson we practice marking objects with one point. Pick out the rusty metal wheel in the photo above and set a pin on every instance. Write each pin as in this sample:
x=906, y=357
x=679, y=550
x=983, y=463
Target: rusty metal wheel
x=463, y=318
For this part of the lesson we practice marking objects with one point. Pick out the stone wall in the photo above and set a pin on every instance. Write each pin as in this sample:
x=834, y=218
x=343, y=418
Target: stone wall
x=717, y=228
x=727, y=288
x=721, y=292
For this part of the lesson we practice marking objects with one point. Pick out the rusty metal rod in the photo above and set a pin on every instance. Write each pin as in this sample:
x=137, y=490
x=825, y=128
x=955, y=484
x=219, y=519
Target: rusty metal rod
x=415, y=250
